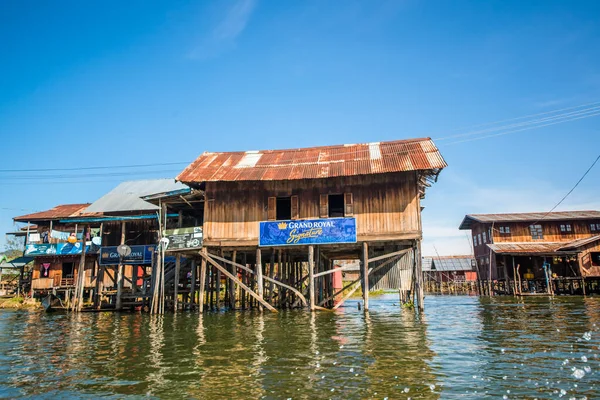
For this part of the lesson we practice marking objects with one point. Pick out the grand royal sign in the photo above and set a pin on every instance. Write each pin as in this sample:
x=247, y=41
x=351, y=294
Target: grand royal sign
x=309, y=231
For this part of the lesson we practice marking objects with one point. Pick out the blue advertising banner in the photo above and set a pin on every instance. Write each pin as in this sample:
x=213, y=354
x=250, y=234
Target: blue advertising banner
x=60, y=249
x=308, y=231
x=141, y=254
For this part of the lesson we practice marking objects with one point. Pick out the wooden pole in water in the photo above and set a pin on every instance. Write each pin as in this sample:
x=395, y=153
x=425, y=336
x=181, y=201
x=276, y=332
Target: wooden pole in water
x=507, y=278
x=259, y=275
x=78, y=303
x=119, y=303
x=365, y=267
x=193, y=284
x=202, y=283
x=272, y=274
x=311, y=277
x=232, y=282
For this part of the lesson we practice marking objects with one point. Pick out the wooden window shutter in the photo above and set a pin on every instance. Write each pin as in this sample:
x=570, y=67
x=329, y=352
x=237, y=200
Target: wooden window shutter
x=324, y=206
x=349, y=206
x=272, y=210
x=294, y=205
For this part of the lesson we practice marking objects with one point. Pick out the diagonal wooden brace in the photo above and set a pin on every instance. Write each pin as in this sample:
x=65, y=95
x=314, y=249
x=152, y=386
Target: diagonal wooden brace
x=236, y=280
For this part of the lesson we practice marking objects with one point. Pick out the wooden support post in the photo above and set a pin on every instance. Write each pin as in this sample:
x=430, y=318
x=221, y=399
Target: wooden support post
x=176, y=282
x=311, y=278
x=259, y=275
x=365, y=271
x=78, y=301
x=232, y=283
x=193, y=284
x=119, y=301
x=272, y=274
x=230, y=276
x=506, y=277
x=419, y=264
x=202, y=284
x=244, y=281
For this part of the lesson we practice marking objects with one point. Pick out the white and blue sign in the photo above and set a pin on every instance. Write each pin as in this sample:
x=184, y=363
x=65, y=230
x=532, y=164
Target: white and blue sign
x=141, y=254
x=57, y=249
x=308, y=231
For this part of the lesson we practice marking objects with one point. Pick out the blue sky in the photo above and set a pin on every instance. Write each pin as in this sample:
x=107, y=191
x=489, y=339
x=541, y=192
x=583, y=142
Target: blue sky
x=120, y=83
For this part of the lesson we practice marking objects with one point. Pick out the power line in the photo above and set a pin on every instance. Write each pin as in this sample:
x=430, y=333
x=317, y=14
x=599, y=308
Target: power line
x=564, y=117
x=570, y=191
x=93, y=175
x=96, y=167
x=522, y=129
x=518, y=118
x=547, y=121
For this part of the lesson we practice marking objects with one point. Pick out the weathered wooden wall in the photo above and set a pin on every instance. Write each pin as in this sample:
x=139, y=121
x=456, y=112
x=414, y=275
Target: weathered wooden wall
x=386, y=206
x=519, y=231
x=585, y=261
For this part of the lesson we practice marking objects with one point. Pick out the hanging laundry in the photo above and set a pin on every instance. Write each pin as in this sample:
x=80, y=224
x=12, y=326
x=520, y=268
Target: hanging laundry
x=60, y=235
x=64, y=235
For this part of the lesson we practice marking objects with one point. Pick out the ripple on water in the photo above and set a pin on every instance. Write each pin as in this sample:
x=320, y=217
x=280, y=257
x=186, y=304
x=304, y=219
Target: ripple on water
x=461, y=346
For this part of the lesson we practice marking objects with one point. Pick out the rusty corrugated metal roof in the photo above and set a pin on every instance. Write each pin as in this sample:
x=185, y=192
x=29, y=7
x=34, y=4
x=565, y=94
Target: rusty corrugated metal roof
x=60, y=211
x=575, y=244
x=316, y=162
x=529, y=217
x=525, y=247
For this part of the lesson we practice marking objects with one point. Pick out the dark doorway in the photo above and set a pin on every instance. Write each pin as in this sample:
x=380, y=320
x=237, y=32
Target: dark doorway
x=336, y=205
x=67, y=270
x=284, y=208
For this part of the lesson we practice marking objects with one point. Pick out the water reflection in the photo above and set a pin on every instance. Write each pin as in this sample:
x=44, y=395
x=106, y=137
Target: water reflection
x=462, y=347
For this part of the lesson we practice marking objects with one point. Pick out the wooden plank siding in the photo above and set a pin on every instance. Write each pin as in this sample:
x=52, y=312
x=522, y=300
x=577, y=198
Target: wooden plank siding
x=386, y=206
x=519, y=231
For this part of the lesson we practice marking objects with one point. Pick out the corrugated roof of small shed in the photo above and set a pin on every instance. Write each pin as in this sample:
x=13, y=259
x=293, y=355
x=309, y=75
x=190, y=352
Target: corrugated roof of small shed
x=448, y=263
x=316, y=162
x=57, y=212
x=126, y=196
x=525, y=248
x=526, y=217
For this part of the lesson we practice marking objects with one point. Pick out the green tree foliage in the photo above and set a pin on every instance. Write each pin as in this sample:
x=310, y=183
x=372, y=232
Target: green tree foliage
x=14, y=247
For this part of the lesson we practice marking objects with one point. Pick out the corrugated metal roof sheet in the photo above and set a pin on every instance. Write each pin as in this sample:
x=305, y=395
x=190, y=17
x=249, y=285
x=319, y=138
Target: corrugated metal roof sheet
x=60, y=211
x=316, y=162
x=525, y=217
x=575, y=244
x=448, y=263
x=126, y=196
x=525, y=247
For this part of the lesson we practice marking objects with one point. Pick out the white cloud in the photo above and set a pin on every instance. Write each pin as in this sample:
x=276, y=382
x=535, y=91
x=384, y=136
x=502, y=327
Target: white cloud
x=226, y=30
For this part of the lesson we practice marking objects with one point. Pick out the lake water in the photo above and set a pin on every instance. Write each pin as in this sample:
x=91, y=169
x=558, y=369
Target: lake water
x=463, y=347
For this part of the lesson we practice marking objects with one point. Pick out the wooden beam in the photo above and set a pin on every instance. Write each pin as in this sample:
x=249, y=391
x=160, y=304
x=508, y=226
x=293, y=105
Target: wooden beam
x=298, y=293
x=259, y=275
x=236, y=280
x=356, y=281
x=365, y=266
x=384, y=256
x=311, y=277
x=119, y=304
x=202, y=284
x=193, y=283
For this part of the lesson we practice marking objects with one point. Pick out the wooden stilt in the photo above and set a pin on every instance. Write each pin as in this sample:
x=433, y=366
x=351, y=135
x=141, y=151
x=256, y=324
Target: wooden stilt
x=272, y=274
x=419, y=265
x=202, y=285
x=230, y=276
x=365, y=265
x=311, y=278
x=259, y=275
x=119, y=301
x=232, y=283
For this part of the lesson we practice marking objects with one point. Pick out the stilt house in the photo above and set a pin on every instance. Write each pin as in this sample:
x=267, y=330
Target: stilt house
x=538, y=252
x=274, y=221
